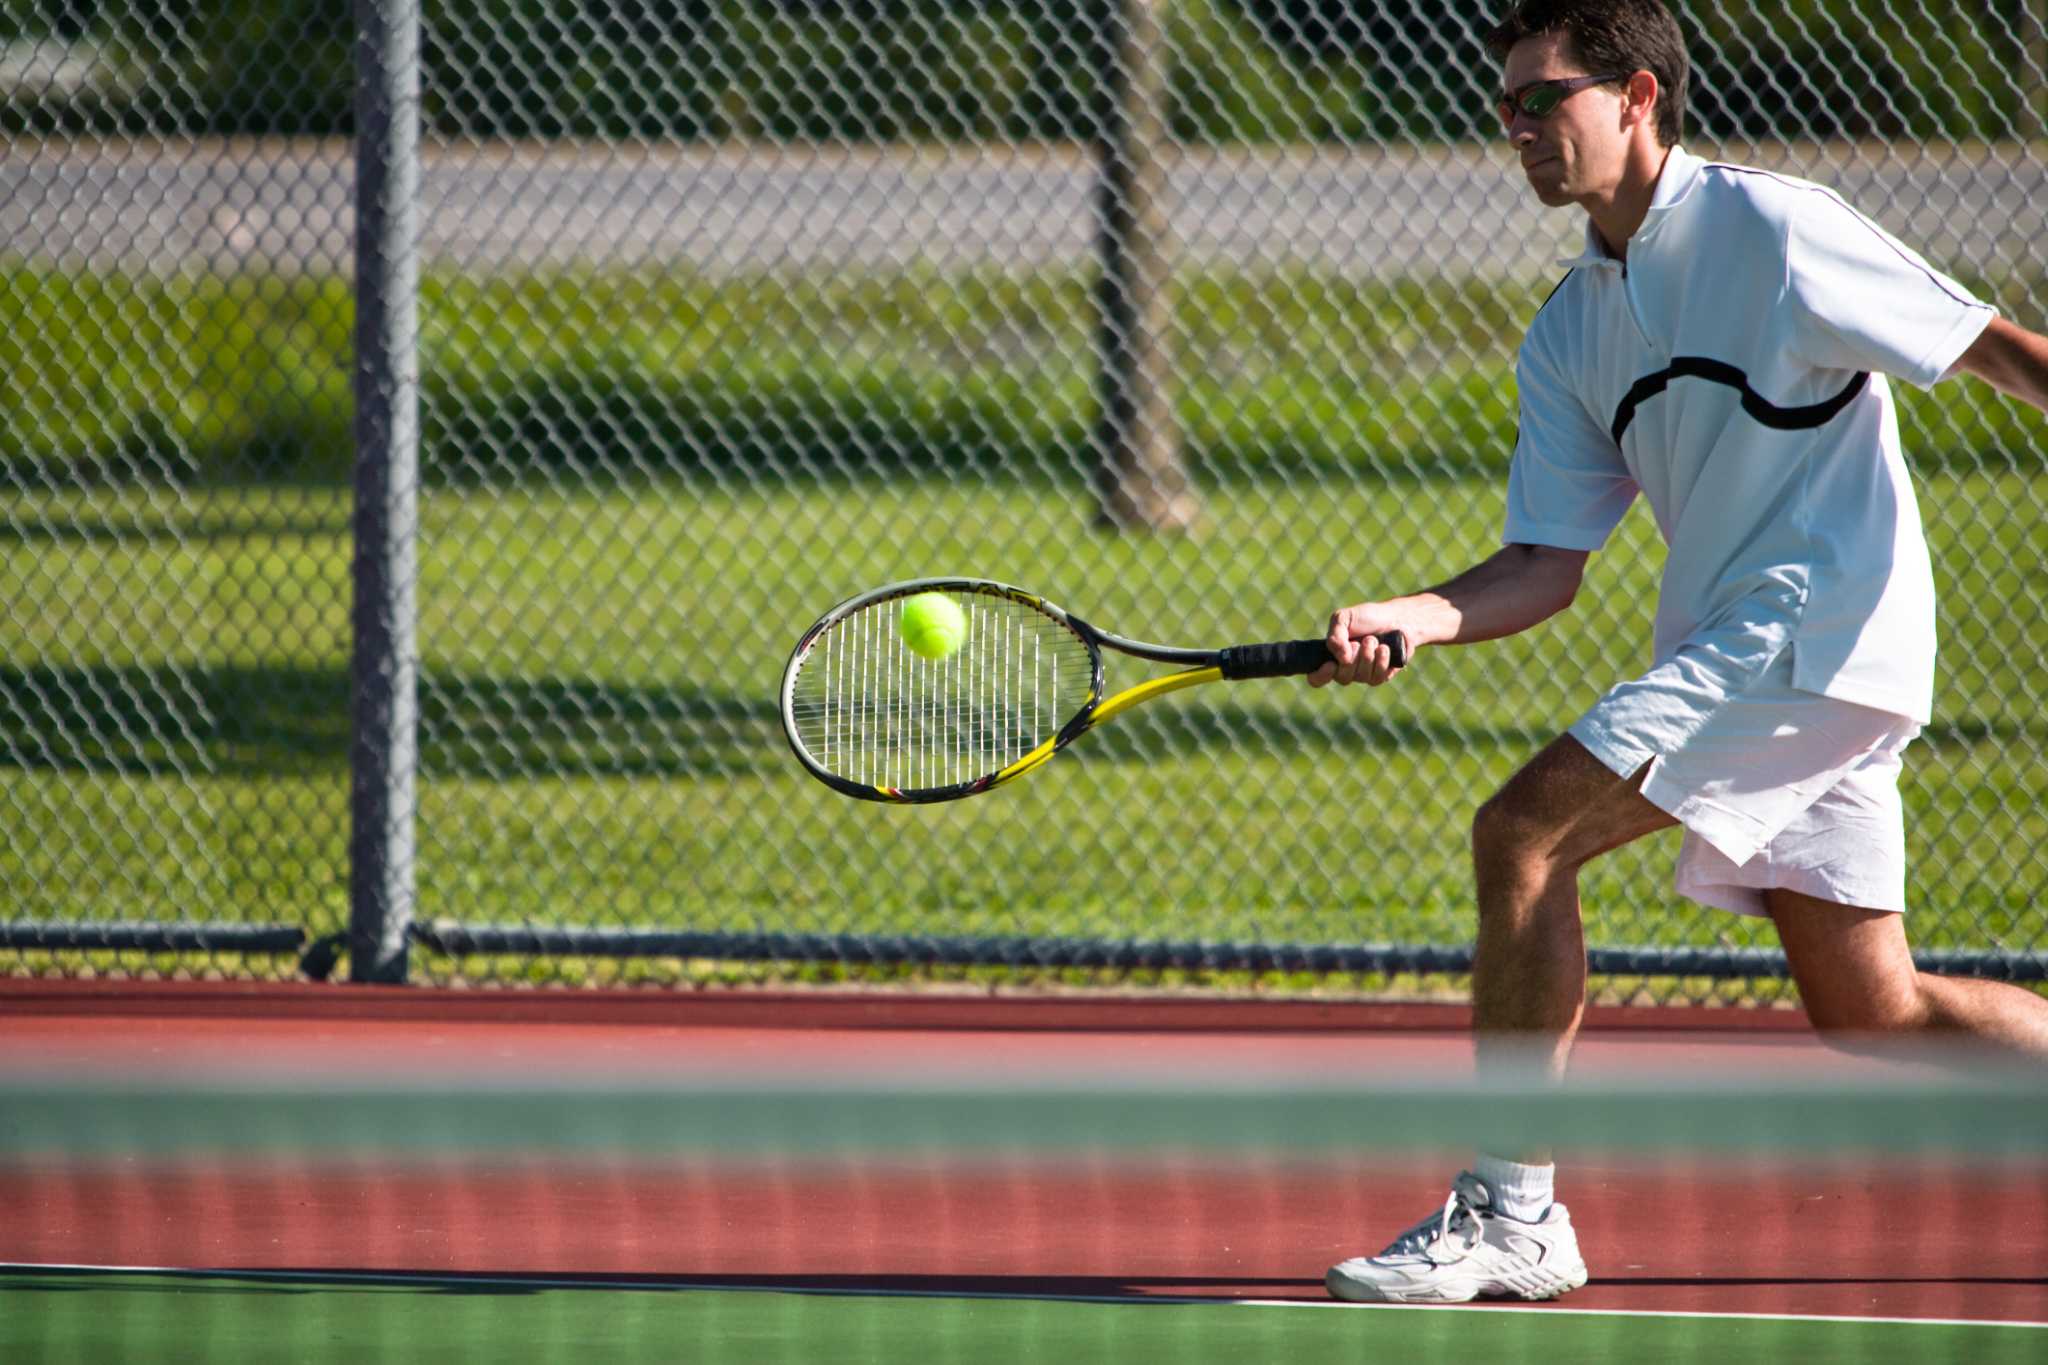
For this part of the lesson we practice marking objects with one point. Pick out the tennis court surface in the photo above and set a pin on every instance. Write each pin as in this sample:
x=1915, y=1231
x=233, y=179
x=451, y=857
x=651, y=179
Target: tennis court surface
x=253, y=1173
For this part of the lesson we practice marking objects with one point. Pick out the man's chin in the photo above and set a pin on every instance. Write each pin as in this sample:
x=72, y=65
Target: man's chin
x=1551, y=192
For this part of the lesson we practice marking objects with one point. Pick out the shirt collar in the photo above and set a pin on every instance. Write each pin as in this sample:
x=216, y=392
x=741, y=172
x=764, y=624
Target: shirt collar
x=1681, y=171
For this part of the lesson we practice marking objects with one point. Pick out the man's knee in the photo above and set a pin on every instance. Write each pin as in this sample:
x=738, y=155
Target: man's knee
x=1843, y=1024
x=1855, y=973
x=1565, y=803
x=1493, y=824
x=1875, y=1016
x=1510, y=830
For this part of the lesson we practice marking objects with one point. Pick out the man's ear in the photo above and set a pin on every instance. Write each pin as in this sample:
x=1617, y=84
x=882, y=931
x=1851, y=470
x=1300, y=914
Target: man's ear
x=1642, y=92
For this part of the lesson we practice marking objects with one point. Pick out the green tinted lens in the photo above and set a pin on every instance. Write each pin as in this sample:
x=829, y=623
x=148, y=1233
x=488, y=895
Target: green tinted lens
x=1539, y=100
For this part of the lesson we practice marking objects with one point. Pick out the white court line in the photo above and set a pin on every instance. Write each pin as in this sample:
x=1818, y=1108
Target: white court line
x=1548, y=1311
x=397, y=1278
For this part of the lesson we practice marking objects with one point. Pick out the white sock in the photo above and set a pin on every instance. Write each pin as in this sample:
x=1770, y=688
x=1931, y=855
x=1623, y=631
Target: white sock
x=1522, y=1192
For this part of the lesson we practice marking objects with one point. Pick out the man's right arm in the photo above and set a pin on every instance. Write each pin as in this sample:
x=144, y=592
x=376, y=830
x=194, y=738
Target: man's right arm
x=1510, y=591
x=2010, y=359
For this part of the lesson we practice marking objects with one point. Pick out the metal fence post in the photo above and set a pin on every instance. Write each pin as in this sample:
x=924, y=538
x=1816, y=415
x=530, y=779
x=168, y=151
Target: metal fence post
x=385, y=666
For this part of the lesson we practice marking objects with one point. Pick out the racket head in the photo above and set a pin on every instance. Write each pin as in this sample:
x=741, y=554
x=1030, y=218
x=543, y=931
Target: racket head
x=871, y=719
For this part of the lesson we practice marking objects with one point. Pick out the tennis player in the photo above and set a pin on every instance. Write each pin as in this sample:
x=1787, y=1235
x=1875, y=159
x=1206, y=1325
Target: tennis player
x=1723, y=346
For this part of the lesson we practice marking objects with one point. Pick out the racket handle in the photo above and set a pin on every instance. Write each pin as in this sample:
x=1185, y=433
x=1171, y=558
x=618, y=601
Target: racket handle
x=1292, y=658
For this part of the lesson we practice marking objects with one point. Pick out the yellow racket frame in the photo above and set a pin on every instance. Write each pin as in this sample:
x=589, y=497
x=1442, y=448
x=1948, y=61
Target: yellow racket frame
x=1107, y=710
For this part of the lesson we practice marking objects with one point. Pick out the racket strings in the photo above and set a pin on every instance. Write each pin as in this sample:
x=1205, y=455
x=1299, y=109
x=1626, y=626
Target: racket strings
x=869, y=709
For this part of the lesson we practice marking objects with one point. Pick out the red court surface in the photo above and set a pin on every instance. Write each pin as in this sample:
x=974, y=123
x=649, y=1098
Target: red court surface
x=1913, y=1240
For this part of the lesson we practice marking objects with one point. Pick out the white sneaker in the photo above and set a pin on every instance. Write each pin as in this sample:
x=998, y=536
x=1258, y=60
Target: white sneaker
x=1466, y=1251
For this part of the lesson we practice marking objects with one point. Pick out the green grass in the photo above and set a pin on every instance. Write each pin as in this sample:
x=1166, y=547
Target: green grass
x=1283, y=372
x=234, y=1318
x=600, y=742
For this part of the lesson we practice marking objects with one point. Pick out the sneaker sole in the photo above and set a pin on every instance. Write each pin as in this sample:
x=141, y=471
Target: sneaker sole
x=1356, y=1291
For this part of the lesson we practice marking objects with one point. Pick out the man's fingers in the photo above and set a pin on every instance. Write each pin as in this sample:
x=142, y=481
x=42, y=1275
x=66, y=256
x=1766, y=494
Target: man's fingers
x=1372, y=663
x=1374, y=660
x=1358, y=654
x=1342, y=647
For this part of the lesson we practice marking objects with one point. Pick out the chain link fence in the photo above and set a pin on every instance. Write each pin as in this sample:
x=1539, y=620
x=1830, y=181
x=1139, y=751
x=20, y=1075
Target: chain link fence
x=1196, y=316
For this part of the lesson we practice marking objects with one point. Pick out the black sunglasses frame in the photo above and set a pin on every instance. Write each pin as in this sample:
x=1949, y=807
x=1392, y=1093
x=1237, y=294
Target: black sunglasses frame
x=1512, y=102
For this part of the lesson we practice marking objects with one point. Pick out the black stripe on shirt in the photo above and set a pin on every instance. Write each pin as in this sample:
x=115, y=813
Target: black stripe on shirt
x=1755, y=404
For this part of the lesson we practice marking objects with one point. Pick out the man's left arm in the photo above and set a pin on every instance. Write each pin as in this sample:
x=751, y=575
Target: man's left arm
x=2010, y=359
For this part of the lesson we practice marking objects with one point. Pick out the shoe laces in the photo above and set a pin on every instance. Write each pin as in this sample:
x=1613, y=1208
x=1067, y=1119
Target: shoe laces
x=1450, y=1234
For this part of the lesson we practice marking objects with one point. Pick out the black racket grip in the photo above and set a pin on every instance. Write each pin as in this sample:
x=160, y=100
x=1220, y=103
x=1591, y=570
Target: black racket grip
x=1292, y=658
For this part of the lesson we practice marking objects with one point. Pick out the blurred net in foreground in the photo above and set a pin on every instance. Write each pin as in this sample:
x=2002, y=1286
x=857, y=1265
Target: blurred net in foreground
x=891, y=1221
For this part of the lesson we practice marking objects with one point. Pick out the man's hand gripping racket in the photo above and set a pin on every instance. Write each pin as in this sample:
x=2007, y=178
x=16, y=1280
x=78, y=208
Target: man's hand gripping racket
x=871, y=718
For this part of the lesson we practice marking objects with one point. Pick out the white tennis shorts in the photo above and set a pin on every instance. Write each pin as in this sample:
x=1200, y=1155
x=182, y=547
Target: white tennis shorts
x=1775, y=787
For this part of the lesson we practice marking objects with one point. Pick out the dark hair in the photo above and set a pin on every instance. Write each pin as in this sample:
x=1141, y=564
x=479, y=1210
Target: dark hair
x=1610, y=35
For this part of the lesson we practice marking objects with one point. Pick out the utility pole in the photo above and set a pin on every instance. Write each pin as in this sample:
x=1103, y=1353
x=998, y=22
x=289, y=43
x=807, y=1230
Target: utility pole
x=1140, y=477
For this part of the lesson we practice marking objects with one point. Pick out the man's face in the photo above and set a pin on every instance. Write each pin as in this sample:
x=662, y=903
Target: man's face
x=1579, y=149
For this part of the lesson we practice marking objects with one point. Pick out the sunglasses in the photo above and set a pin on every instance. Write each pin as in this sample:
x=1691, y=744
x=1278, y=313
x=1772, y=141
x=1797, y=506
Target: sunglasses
x=1539, y=99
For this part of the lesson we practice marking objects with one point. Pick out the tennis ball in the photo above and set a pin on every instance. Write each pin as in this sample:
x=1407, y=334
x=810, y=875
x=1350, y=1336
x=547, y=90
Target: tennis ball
x=932, y=625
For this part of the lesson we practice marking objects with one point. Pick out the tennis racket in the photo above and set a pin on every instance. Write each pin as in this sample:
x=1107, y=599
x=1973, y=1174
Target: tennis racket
x=870, y=718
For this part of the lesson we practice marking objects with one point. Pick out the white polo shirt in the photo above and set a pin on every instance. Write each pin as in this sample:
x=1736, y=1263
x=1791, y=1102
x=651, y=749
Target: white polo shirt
x=1733, y=372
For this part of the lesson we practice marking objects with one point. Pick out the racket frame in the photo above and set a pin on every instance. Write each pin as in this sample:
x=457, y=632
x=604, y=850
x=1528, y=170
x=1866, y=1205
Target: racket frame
x=1197, y=666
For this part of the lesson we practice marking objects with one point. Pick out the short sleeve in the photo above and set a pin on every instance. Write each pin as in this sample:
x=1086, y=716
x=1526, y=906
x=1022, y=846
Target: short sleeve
x=1568, y=486
x=1862, y=300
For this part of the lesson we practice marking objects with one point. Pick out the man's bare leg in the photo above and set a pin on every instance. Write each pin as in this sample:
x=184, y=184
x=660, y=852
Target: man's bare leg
x=1529, y=841
x=1529, y=992
x=1861, y=990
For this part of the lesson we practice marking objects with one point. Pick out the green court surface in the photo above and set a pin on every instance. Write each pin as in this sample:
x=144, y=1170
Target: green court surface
x=90, y=1316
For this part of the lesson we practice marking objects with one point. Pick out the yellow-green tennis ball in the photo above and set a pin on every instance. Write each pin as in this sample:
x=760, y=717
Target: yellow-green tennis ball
x=933, y=625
